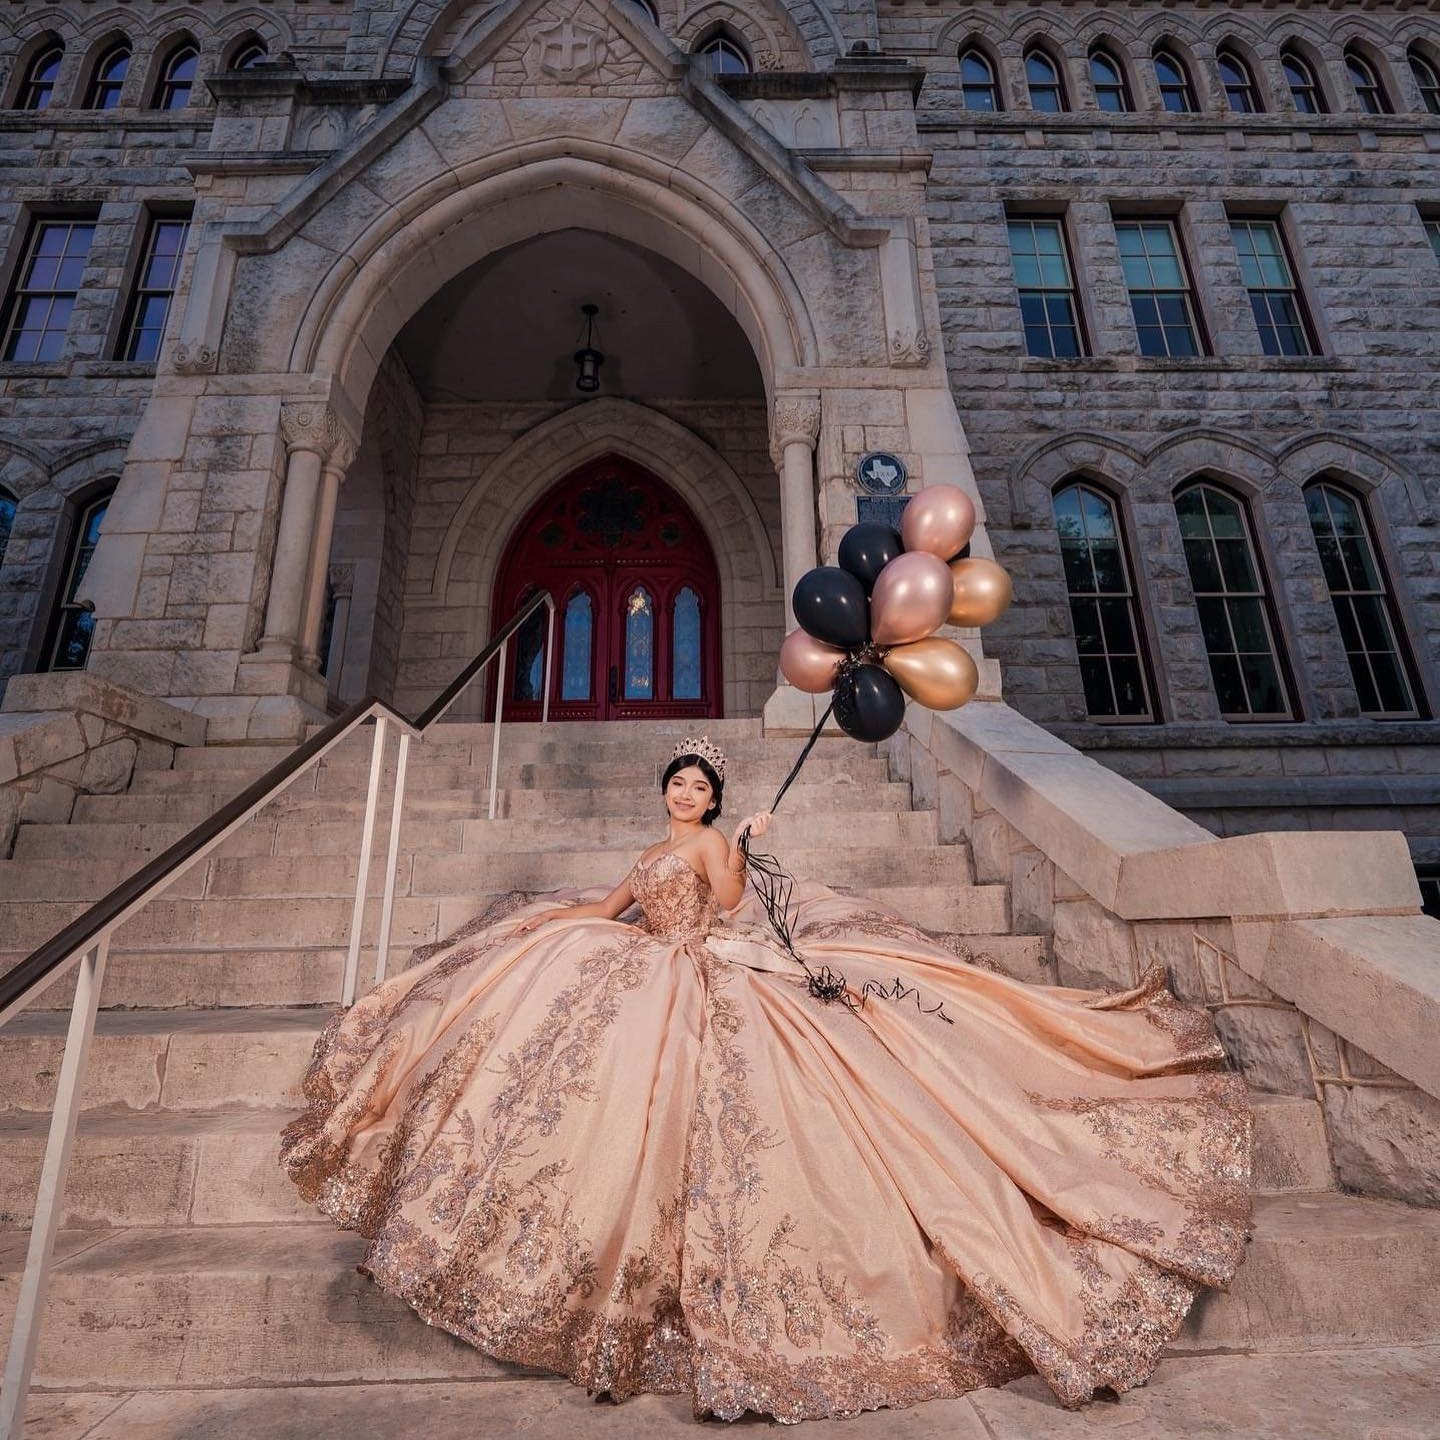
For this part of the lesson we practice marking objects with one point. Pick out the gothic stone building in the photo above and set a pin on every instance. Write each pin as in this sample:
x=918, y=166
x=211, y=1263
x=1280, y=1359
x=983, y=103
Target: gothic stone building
x=290, y=403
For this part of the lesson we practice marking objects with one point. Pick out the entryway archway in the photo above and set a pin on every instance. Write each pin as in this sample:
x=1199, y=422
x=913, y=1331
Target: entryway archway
x=637, y=601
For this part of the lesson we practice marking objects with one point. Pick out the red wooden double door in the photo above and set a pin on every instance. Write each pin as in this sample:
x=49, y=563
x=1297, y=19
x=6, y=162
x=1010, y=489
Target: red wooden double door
x=637, y=626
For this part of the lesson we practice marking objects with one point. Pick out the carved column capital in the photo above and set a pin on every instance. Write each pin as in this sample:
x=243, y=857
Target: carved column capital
x=311, y=426
x=795, y=419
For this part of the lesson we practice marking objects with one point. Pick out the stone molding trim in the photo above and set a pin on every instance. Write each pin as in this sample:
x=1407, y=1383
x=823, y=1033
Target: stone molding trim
x=193, y=359
x=308, y=426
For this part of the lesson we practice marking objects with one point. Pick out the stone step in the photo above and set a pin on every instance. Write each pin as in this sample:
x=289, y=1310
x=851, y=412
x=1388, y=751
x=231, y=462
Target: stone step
x=279, y=1303
x=218, y=1167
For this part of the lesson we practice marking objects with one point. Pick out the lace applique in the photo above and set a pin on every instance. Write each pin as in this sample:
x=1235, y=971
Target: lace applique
x=678, y=901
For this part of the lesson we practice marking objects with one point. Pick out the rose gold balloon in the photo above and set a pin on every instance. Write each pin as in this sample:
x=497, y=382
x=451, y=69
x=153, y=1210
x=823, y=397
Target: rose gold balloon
x=936, y=672
x=910, y=598
x=809, y=664
x=981, y=591
x=939, y=520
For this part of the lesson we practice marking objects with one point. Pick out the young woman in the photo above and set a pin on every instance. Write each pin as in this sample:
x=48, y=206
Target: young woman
x=651, y=1157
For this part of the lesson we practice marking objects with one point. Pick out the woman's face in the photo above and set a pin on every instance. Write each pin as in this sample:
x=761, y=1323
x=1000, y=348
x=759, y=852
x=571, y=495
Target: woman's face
x=689, y=794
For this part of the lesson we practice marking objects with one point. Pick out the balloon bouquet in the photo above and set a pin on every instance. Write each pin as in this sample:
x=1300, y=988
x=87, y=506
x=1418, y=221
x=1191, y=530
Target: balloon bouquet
x=867, y=626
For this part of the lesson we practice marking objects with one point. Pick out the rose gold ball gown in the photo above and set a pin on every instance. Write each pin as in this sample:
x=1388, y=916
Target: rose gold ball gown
x=648, y=1158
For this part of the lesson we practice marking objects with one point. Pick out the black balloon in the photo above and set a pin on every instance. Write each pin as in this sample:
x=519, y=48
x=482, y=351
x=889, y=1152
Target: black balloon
x=866, y=550
x=869, y=705
x=831, y=605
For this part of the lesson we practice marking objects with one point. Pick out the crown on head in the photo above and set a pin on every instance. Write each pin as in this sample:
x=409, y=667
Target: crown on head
x=712, y=755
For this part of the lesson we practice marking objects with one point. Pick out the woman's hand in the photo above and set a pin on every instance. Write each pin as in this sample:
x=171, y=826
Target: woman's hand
x=534, y=922
x=756, y=825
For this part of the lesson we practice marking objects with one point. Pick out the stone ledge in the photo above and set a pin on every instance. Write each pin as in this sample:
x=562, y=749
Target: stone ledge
x=80, y=693
x=1296, y=792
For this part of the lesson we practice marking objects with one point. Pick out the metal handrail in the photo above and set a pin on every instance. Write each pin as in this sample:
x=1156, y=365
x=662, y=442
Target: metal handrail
x=86, y=941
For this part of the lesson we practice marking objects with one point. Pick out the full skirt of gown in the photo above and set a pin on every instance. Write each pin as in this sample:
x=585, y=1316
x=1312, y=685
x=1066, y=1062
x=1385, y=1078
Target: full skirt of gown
x=648, y=1157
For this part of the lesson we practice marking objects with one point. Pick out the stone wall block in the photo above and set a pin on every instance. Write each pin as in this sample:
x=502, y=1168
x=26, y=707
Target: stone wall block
x=1032, y=893
x=1267, y=1043
x=992, y=840
x=924, y=778
x=1093, y=948
x=48, y=803
x=955, y=804
x=1385, y=1141
x=107, y=770
x=1194, y=969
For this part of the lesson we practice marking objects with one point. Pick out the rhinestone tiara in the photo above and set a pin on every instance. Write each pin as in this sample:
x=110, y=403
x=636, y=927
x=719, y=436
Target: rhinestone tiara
x=712, y=755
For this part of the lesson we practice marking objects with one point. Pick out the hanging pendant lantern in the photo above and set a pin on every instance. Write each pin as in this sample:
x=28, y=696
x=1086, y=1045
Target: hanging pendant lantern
x=588, y=359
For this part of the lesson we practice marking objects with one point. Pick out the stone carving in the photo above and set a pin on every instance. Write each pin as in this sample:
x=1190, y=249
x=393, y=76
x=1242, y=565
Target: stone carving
x=909, y=347
x=342, y=579
x=325, y=133
x=570, y=50
x=795, y=418
x=193, y=359
x=308, y=426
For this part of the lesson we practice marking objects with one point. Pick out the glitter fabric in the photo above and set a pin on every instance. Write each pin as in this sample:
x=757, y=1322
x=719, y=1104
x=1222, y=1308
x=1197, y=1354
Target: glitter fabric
x=646, y=1157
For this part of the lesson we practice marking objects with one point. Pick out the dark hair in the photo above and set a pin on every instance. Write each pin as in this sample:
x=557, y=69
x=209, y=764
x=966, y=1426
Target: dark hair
x=683, y=762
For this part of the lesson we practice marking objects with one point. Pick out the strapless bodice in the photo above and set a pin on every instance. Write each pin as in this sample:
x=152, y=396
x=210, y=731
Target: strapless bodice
x=678, y=903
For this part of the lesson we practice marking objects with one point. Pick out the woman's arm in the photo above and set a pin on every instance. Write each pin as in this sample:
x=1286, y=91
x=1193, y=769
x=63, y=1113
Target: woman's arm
x=725, y=863
x=612, y=907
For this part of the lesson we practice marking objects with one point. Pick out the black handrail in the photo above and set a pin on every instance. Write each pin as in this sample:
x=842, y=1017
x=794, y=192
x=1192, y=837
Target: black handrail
x=37, y=967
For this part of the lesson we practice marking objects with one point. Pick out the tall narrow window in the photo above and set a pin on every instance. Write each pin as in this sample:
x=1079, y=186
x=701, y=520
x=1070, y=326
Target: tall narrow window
x=177, y=78
x=249, y=55
x=530, y=657
x=1102, y=605
x=1432, y=229
x=1234, y=608
x=1242, y=94
x=1364, y=604
x=686, y=660
x=1366, y=80
x=1112, y=93
x=726, y=56
x=1429, y=878
x=8, y=507
x=1042, y=79
x=154, y=287
x=578, y=641
x=44, y=295
x=1305, y=92
x=1159, y=285
x=108, y=82
x=1274, y=297
x=38, y=88
x=1049, y=309
x=639, y=645
x=1177, y=94
x=979, y=89
x=1427, y=80
x=73, y=625
x=644, y=9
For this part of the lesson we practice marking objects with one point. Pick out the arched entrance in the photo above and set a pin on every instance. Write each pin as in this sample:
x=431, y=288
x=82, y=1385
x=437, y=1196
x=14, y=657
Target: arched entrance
x=637, y=596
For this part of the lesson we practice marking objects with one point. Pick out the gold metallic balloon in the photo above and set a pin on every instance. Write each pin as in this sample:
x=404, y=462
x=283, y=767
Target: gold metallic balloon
x=939, y=520
x=981, y=591
x=936, y=672
x=809, y=664
x=910, y=598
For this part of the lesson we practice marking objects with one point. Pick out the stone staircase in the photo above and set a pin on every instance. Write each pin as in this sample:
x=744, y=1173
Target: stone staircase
x=186, y=1261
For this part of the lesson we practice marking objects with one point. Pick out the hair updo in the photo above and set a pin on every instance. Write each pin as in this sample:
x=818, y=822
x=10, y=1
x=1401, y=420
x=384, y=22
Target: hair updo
x=683, y=762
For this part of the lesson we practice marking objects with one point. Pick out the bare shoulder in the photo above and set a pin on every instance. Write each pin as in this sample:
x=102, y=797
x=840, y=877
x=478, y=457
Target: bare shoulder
x=713, y=842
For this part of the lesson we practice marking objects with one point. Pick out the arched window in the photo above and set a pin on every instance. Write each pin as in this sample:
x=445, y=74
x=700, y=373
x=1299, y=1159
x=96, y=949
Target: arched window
x=1427, y=78
x=1042, y=78
x=687, y=666
x=1177, y=94
x=1236, y=619
x=1306, y=93
x=1102, y=605
x=644, y=9
x=1242, y=94
x=639, y=644
x=577, y=642
x=8, y=506
x=249, y=55
x=108, y=80
x=38, y=88
x=1364, y=603
x=72, y=625
x=177, y=78
x=1366, y=80
x=1107, y=75
x=530, y=658
x=979, y=89
x=726, y=56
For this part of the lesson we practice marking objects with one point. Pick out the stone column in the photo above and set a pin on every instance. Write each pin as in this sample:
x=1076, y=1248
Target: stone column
x=313, y=619
x=795, y=429
x=312, y=433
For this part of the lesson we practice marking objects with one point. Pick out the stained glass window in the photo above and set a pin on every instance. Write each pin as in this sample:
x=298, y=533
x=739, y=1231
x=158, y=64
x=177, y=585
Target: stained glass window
x=686, y=666
x=639, y=645
x=578, y=642
x=74, y=623
x=529, y=642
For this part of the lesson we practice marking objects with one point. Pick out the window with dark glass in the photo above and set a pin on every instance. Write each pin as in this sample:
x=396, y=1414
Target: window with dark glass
x=177, y=78
x=1159, y=285
x=1112, y=93
x=1042, y=79
x=37, y=90
x=43, y=297
x=979, y=90
x=249, y=55
x=1366, y=80
x=108, y=81
x=1234, y=607
x=1364, y=603
x=1432, y=229
x=1427, y=80
x=577, y=640
x=644, y=9
x=1102, y=605
x=1242, y=94
x=1270, y=280
x=1177, y=94
x=8, y=507
x=1305, y=92
x=1429, y=878
x=154, y=287
x=1049, y=306
x=529, y=641
x=726, y=57
x=73, y=624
